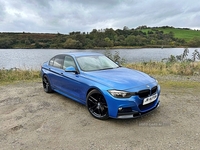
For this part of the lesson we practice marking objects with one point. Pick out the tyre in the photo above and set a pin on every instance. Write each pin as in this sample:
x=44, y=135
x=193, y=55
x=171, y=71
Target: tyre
x=97, y=105
x=46, y=84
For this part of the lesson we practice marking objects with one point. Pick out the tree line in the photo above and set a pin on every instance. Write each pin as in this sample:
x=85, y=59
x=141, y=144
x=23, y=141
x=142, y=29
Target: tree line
x=151, y=37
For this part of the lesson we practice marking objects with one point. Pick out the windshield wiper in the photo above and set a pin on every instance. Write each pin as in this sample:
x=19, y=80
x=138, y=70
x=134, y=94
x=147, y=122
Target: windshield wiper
x=108, y=68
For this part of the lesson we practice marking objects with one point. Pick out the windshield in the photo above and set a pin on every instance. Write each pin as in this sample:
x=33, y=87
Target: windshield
x=97, y=62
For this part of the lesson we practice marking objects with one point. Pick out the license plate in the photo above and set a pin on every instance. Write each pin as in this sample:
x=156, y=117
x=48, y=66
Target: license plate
x=149, y=99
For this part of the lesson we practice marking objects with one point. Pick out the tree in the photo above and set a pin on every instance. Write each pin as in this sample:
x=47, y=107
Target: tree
x=108, y=42
x=130, y=40
x=71, y=43
x=125, y=28
x=195, y=42
x=110, y=33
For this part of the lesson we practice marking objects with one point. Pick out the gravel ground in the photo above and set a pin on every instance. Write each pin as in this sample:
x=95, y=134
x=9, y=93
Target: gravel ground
x=33, y=119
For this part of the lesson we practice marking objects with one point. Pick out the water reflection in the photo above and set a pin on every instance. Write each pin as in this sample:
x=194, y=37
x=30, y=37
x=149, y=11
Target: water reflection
x=33, y=58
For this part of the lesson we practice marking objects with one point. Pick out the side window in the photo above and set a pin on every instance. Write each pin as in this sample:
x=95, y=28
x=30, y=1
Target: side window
x=69, y=61
x=57, y=61
x=51, y=61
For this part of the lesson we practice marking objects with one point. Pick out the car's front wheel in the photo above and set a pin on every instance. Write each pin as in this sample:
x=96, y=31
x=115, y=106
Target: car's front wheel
x=97, y=105
x=46, y=84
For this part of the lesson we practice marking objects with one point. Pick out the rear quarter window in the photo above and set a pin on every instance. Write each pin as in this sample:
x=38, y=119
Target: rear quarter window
x=51, y=62
x=57, y=61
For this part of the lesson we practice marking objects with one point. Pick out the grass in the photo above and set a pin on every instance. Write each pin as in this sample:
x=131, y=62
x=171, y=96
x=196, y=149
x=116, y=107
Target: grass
x=179, y=84
x=160, y=69
x=187, y=35
x=10, y=76
x=171, y=75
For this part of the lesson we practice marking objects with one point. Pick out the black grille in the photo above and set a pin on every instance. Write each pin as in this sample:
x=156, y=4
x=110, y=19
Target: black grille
x=147, y=92
x=153, y=90
x=144, y=93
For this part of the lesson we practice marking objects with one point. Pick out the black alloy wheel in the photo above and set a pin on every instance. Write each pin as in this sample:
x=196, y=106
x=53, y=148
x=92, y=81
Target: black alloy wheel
x=46, y=84
x=97, y=105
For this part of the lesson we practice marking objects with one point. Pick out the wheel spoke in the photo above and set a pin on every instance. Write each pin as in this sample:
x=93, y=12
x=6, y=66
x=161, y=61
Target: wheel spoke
x=99, y=111
x=93, y=100
x=45, y=81
x=93, y=107
x=104, y=105
x=46, y=85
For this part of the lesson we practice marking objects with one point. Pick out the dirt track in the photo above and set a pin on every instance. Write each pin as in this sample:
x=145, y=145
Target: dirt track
x=32, y=119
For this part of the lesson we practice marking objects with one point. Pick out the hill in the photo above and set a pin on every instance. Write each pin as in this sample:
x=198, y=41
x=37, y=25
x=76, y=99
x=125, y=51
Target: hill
x=142, y=36
x=181, y=33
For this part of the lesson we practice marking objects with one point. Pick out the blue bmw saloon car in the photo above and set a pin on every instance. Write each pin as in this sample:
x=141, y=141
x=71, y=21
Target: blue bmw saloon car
x=107, y=89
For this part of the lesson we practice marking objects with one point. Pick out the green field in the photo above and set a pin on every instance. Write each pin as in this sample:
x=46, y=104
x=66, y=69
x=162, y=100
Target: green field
x=187, y=35
x=181, y=33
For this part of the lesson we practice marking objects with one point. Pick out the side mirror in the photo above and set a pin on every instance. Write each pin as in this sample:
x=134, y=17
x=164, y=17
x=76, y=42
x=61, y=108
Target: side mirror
x=70, y=69
x=118, y=64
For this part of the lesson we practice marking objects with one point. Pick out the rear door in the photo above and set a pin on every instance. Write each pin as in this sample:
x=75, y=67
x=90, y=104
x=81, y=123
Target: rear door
x=56, y=71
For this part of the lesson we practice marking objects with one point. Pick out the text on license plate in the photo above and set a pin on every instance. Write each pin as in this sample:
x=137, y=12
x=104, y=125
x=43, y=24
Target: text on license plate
x=149, y=99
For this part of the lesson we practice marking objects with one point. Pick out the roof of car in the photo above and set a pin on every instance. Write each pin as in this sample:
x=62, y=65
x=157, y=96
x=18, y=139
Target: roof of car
x=78, y=54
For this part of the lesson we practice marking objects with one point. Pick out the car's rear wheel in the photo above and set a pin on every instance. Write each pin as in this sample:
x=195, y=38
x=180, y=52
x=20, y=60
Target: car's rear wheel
x=97, y=105
x=46, y=84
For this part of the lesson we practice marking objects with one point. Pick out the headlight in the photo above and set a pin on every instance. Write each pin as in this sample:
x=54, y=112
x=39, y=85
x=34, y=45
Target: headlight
x=121, y=94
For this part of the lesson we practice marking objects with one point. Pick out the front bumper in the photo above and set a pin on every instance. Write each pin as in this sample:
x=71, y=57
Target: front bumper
x=132, y=107
x=135, y=114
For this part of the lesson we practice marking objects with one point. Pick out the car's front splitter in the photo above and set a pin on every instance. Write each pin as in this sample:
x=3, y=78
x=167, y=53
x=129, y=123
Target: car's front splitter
x=135, y=114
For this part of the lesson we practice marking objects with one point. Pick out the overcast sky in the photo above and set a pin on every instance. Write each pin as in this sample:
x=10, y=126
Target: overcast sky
x=64, y=16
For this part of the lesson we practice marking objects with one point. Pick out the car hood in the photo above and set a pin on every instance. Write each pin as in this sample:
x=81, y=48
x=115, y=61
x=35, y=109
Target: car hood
x=120, y=78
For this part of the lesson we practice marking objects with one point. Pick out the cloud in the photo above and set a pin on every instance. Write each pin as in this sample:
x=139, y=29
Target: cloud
x=84, y=15
x=2, y=11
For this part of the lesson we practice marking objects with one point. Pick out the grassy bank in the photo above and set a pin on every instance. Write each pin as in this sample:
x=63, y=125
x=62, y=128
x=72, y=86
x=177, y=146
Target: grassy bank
x=162, y=68
x=182, y=75
x=9, y=76
x=152, y=68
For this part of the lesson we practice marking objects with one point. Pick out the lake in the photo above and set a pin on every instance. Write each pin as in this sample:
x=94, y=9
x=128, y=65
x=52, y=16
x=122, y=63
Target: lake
x=33, y=58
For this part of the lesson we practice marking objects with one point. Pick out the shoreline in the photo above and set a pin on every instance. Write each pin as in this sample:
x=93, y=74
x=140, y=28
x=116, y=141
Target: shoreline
x=108, y=48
